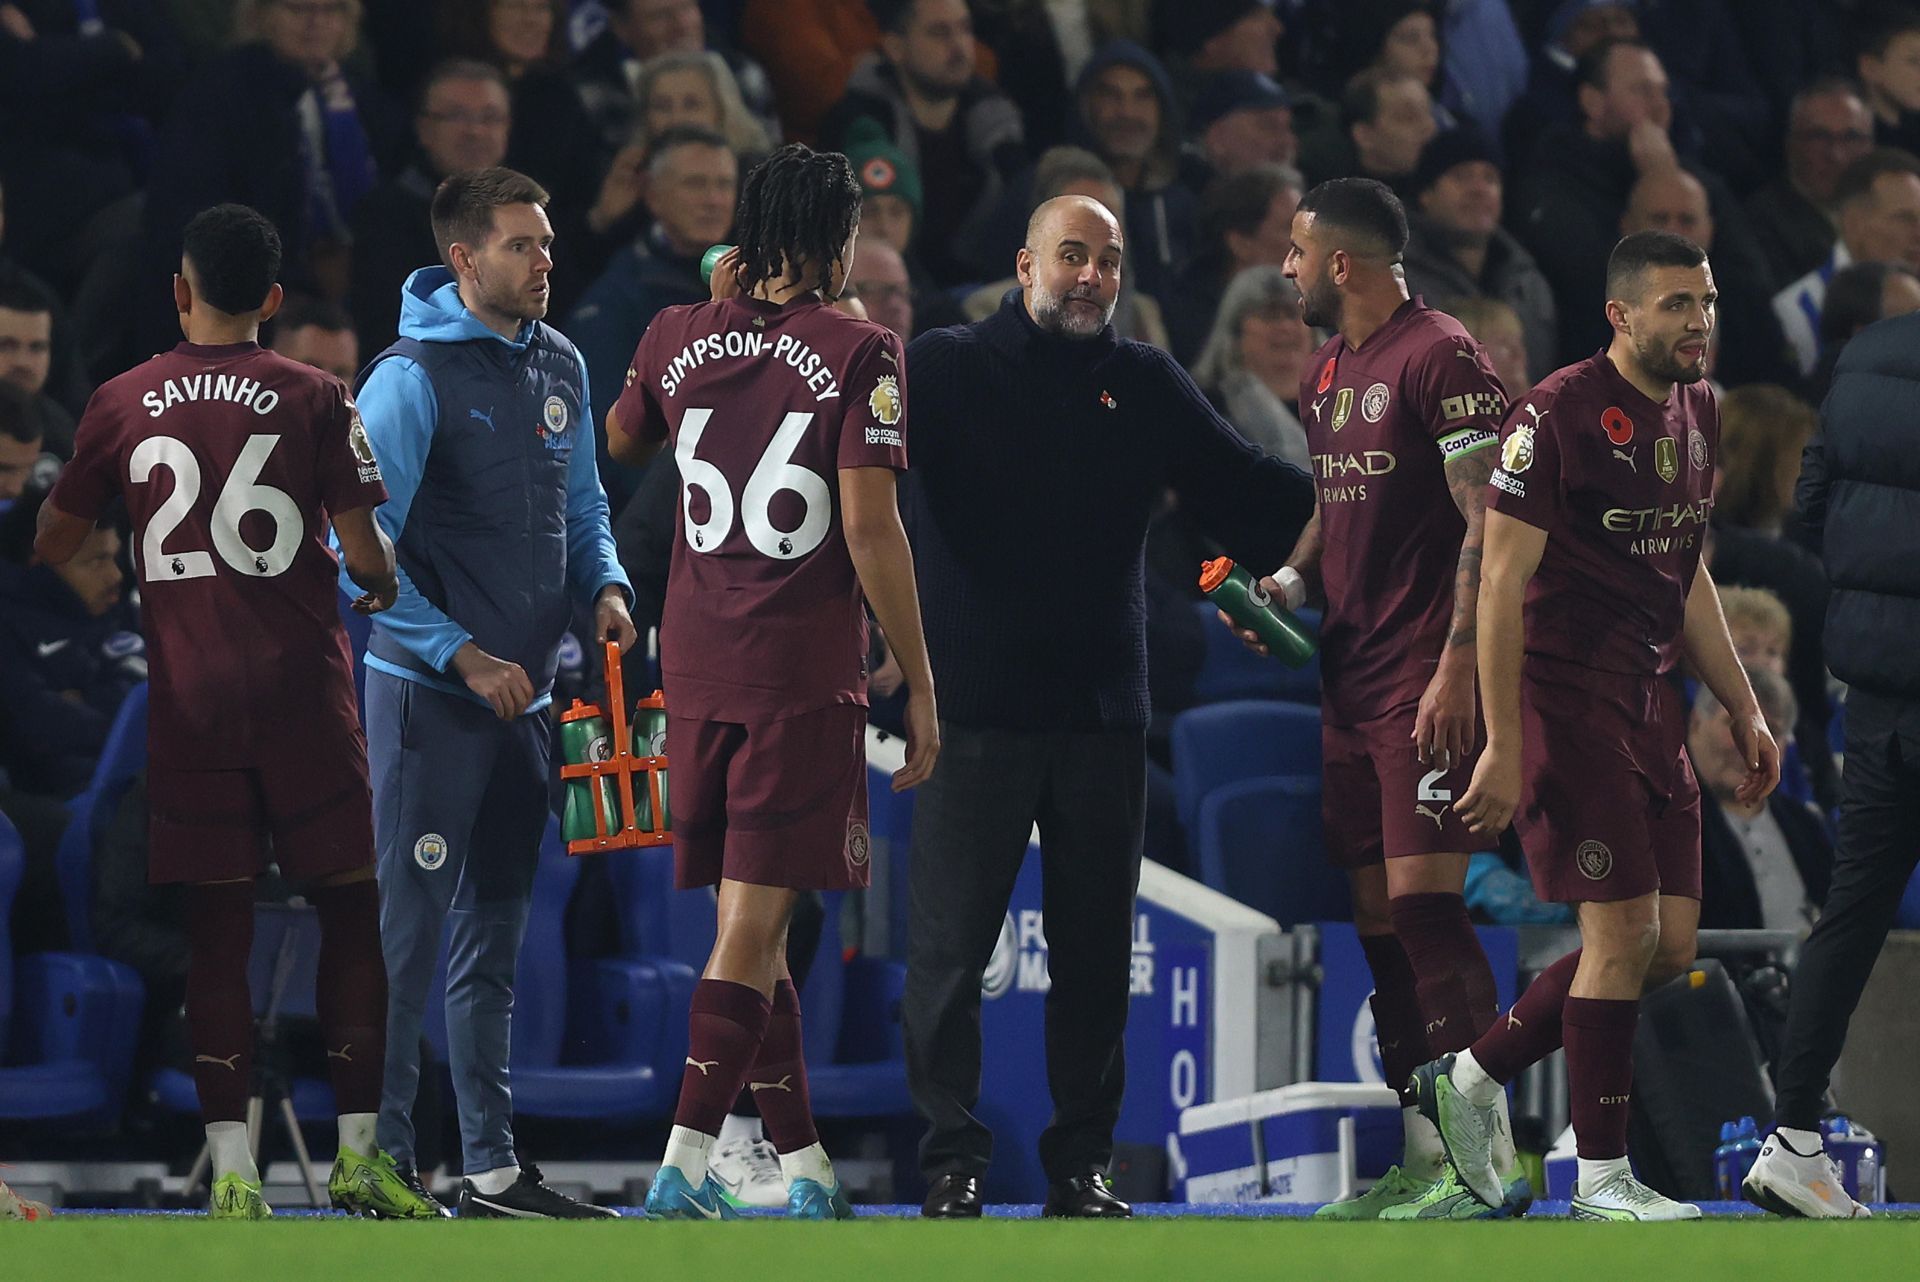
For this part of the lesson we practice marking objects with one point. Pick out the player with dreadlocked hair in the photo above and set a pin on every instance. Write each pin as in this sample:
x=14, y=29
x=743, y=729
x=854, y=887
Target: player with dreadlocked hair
x=787, y=419
x=798, y=212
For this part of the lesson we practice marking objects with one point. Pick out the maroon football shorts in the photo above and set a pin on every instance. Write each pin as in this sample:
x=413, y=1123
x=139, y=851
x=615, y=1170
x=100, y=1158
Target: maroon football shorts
x=1379, y=800
x=774, y=803
x=1609, y=808
x=308, y=810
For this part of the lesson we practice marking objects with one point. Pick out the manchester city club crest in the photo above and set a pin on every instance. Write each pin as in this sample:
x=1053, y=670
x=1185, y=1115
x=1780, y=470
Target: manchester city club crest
x=1594, y=860
x=1516, y=452
x=1697, y=449
x=554, y=415
x=430, y=851
x=859, y=845
x=1666, y=458
x=1373, y=406
x=884, y=401
x=1342, y=408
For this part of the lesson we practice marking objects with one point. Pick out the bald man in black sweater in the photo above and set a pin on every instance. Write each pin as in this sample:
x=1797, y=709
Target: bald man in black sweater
x=1041, y=445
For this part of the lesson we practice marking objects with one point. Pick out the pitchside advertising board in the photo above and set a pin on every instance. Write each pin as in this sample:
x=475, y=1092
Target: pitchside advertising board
x=1346, y=1049
x=1193, y=982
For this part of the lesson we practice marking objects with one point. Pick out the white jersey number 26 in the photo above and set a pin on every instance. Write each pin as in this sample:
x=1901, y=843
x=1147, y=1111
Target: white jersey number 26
x=241, y=494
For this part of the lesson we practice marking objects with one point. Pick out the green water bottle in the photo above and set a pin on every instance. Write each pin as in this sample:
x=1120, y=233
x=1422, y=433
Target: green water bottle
x=710, y=260
x=1248, y=604
x=584, y=738
x=650, y=740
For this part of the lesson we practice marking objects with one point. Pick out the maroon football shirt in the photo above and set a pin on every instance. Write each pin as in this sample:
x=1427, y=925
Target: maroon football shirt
x=763, y=405
x=1623, y=486
x=230, y=460
x=1381, y=422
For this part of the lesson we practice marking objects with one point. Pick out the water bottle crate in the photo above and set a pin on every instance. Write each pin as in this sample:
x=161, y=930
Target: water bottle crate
x=621, y=791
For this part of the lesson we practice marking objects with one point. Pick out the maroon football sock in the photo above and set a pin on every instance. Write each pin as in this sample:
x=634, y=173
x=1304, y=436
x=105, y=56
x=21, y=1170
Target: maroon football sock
x=778, y=1081
x=1450, y=970
x=725, y=1026
x=1599, y=1035
x=1396, y=1013
x=1530, y=1031
x=350, y=993
x=219, y=1006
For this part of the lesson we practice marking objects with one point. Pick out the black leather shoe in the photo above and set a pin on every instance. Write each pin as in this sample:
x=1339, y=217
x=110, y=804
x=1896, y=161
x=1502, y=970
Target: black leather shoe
x=1086, y=1197
x=954, y=1197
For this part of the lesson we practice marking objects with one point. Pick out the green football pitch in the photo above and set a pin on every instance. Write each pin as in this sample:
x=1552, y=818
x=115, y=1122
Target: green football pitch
x=159, y=1249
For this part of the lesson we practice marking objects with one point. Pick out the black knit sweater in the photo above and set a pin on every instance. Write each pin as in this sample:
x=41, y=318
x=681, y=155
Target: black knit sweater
x=1036, y=463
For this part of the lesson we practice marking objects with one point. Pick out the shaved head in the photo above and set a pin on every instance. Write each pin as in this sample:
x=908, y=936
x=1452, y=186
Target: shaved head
x=1040, y=227
x=1070, y=266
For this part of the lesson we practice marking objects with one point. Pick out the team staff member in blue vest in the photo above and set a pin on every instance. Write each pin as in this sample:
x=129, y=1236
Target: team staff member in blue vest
x=479, y=416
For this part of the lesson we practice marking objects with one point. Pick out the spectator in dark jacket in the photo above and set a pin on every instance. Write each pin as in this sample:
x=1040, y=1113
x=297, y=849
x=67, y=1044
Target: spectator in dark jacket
x=462, y=122
x=607, y=71
x=1573, y=189
x=81, y=86
x=70, y=649
x=26, y=356
x=282, y=126
x=961, y=132
x=1796, y=217
x=1764, y=865
x=1245, y=221
x=1126, y=116
x=692, y=181
x=1458, y=248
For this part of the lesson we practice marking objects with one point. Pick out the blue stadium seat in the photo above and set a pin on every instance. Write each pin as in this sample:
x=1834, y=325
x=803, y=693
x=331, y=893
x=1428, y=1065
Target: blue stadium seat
x=850, y=1009
x=172, y=1090
x=598, y=1039
x=120, y=760
x=1231, y=671
x=1261, y=843
x=1248, y=739
x=67, y=1023
x=1907, y=917
x=850, y=1018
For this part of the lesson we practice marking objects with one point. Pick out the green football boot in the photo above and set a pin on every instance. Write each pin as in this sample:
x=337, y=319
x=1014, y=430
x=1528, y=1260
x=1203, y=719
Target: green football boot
x=235, y=1199
x=377, y=1186
x=1444, y=1199
x=1390, y=1190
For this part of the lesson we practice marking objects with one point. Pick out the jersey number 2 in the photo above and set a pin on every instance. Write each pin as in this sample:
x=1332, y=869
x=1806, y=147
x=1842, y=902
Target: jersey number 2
x=241, y=494
x=776, y=471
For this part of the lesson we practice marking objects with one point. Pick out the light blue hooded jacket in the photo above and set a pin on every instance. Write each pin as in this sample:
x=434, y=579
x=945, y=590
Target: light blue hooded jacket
x=494, y=501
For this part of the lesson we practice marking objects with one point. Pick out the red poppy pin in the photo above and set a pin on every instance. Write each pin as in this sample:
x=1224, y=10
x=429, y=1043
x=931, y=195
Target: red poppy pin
x=1619, y=427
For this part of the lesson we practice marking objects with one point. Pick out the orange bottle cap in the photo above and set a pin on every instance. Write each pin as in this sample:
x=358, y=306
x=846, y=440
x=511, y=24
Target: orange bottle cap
x=1213, y=573
x=581, y=712
x=657, y=699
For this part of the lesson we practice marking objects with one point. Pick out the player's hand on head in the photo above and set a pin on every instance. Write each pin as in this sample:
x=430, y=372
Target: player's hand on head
x=1444, y=727
x=1490, y=800
x=1761, y=755
x=503, y=685
x=725, y=283
x=611, y=622
x=923, y=741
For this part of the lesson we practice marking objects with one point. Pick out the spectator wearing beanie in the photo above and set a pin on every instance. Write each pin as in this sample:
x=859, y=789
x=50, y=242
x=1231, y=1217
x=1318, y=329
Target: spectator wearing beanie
x=1458, y=248
x=891, y=206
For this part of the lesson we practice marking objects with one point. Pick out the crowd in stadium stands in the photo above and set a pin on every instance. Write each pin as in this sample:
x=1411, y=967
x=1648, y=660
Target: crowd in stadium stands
x=1525, y=137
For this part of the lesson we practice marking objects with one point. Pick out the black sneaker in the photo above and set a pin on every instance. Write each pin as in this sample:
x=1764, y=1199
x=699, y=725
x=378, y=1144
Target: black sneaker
x=528, y=1198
